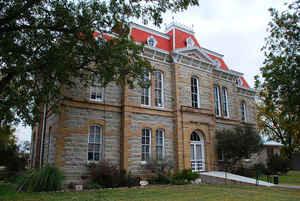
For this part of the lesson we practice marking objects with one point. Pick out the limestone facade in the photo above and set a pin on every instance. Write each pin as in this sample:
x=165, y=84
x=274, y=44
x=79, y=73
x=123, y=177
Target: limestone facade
x=122, y=116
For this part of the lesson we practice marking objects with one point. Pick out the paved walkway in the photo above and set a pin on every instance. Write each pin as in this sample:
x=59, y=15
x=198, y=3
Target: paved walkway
x=287, y=186
x=236, y=178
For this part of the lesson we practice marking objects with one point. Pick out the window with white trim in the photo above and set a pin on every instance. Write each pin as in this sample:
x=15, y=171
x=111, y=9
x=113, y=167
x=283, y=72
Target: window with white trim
x=94, y=143
x=243, y=111
x=151, y=41
x=146, y=144
x=97, y=91
x=146, y=92
x=225, y=102
x=160, y=144
x=217, y=100
x=195, y=92
x=158, y=90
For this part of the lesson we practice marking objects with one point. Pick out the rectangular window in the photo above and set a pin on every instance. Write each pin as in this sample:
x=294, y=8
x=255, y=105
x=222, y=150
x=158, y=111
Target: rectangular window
x=195, y=92
x=146, y=144
x=225, y=102
x=220, y=156
x=217, y=100
x=244, y=111
x=94, y=143
x=158, y=90
x=146, y=92
x=97, y=91
x=160, y=144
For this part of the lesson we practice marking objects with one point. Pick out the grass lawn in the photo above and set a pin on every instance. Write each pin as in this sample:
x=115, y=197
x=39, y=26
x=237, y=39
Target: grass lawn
x=291, y=178
x=162, y=193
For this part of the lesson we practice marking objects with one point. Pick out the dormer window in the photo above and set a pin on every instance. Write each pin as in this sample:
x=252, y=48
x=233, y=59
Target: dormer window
x=239, y=82
x=151, y=41
x=218, y=63
x=190, y=42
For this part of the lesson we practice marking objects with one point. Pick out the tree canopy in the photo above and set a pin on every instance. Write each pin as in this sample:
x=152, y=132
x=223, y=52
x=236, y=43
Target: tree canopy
x=238, y=143
x=47, y=44
x=279, y=104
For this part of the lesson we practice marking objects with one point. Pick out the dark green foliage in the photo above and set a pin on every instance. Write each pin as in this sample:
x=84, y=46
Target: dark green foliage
x=45, y=46
x=108, y=175
x=92, y=186
x=260, y=169
x=280, y=87
x=256, y=170
x=11, y=156
x=184, y=177
x=277, y=164
x=161, y=169
x=238, y=144
x=47, y=178
x=243, y=171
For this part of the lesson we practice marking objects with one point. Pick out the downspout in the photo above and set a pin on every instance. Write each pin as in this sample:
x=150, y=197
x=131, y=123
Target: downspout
x=43, y=135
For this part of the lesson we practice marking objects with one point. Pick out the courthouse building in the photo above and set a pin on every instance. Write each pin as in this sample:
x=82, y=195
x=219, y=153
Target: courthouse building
x=193, y=94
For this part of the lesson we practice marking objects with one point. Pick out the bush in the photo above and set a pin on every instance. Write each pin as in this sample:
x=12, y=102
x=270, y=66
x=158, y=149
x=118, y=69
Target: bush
x=92, y=186
x=246, y=172
x=47, y=178
x=260, y=169
x=161, y=169
x=108, y=175
x=184, y=177
x=278, y=164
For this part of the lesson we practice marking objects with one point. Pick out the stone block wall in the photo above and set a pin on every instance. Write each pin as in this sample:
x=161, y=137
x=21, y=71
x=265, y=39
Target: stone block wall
x=140, y=121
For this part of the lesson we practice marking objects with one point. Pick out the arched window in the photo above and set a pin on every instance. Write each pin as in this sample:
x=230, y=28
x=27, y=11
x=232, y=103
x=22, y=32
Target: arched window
x=95, y=143
x=197, y=152
x=146, y=144
x=160, y=144
x=225, y=102
x=97, y=91
x=217, y=100
x=195, y=92
x=243, y=111
x=195, y=136
x=146, y=92
x=159, y=87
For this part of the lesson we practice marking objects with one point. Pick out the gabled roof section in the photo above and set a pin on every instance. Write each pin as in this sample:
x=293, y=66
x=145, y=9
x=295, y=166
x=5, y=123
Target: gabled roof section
x=195, y=52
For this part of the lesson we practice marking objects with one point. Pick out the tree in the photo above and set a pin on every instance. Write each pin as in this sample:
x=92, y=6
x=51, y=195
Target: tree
x=279, y=107
x=46, y=45
x=237, y=144
x=9, y=150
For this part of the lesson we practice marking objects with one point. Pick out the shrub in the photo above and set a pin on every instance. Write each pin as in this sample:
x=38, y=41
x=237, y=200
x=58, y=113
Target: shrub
x=161, y=169
x=246, y=172
x=260, y=168
x=278, y=164
x=108, y=175
x=184, y=177
x=92, y=186
x=47, y=178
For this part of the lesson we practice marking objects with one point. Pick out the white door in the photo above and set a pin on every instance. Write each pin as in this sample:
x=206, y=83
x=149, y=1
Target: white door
x=197, y=152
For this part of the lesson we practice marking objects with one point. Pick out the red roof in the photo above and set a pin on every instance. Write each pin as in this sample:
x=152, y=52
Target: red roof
x=167, y=44
x=244, y=83
x=180, y=39
x=141, y=36
x=223, y=65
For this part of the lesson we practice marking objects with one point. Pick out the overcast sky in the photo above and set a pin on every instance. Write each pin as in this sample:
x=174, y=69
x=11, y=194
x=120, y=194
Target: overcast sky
x=234, y=28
